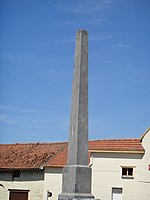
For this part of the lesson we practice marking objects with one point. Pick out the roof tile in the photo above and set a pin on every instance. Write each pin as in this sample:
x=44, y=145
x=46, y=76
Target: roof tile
x=36, y=155
x=27, y=156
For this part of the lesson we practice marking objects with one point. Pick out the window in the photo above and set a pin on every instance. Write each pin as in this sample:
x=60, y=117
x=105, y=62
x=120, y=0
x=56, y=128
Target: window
x=15, y=174
x=116, y=193
x=18, y=194
x=127, y=172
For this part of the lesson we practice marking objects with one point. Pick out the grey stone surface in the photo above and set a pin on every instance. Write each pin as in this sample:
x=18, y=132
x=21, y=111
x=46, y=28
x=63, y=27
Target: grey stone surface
x=78, y=141
x=77, y=179
x=76, y=174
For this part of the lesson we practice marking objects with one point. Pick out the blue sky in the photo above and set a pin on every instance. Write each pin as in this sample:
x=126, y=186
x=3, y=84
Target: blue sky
x=37, y=41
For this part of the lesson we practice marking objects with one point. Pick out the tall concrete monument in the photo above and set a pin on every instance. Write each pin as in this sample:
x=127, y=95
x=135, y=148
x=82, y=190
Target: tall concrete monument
x=76, y=174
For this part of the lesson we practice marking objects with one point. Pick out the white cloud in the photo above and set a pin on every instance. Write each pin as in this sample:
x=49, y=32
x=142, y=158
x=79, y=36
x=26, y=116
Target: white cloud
x=123, y=45
x=14, y=109
x=5, y=119
x=26, y=118
x=88, y=6
x=77, y=23
x=20, y=58
x=69, y=40
x=94, y=21
x=103, y=37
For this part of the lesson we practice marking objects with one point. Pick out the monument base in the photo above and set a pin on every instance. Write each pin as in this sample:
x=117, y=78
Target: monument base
x=75, y=196
x=76, y=183
x=76, y=199
x=77, y=180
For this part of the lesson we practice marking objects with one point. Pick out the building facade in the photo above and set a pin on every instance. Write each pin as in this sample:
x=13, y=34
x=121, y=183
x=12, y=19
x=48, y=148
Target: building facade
x=120, y=169
x=122, y=175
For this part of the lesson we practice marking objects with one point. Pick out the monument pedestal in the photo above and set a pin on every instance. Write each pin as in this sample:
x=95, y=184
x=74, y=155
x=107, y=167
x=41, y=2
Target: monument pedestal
x=80, y=198
x=76, y=183
x=75, y=196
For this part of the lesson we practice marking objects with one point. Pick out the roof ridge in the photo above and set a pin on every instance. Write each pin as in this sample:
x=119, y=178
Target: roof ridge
x=115, y=139
x=65, y=142
x=34, y=143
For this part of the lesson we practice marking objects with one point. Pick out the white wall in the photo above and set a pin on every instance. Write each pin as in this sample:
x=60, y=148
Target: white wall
x=106, y=171
x=144, y=174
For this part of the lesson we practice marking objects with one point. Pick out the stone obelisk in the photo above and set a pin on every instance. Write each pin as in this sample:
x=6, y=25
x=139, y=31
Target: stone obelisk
x=76, y=183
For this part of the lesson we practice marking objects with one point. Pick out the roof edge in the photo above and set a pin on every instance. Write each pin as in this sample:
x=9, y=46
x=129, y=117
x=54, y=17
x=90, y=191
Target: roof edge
x=123, y=152
x=12, y=169
x=143, y=135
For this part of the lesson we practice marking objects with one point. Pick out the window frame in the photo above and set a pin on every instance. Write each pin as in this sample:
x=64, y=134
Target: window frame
x=19, y=191
x=129, y=174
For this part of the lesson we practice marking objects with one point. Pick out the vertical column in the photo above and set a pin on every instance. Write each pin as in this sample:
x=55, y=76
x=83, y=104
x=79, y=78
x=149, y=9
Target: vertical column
x=76, y=174
x=78, y=141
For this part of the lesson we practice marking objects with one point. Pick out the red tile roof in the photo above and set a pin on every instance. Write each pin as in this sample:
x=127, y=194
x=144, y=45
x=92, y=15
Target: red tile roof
x=28, y=156
x=59, y=160
x=116, y=145
x=36, y=155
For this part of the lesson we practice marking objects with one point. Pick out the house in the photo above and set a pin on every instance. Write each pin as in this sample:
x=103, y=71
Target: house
x=120, y=169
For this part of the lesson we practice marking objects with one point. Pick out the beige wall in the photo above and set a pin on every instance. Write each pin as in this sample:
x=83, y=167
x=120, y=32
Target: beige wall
x=106, y=171
x=143, y=174
x=53, y=182
x=29, y=180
